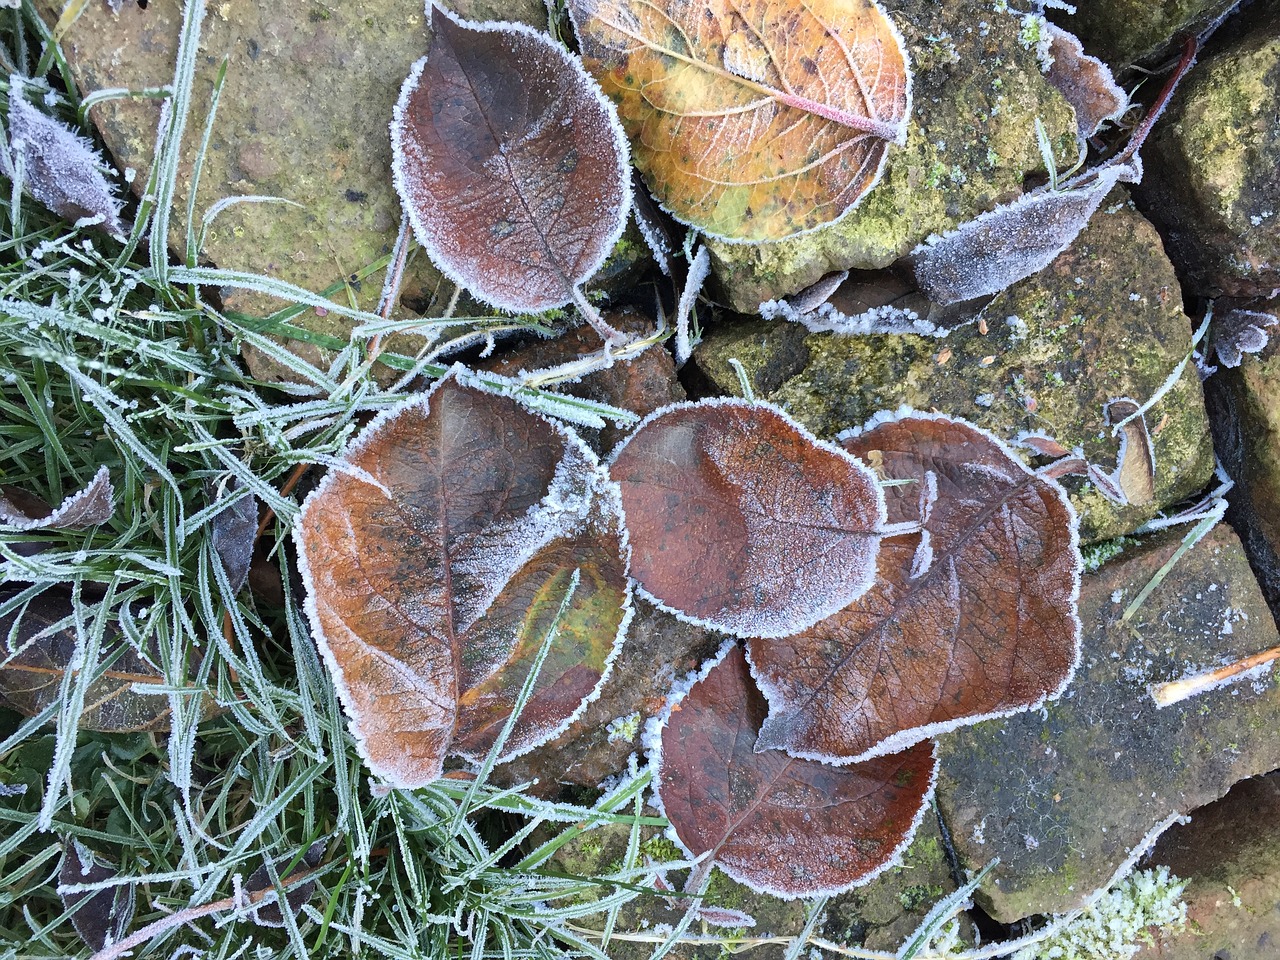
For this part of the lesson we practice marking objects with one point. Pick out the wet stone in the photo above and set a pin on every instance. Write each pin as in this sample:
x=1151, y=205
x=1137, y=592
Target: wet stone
x=977, y=92
x=1211, y=183
x=1103, y=321
x=1230, y=856
x=1063, y=795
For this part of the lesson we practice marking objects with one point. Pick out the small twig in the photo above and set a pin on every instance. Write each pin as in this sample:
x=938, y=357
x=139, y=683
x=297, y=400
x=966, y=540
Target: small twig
x=1165, y=694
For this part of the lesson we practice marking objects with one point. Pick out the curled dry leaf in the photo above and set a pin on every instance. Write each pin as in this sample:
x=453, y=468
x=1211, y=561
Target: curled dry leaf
x=101, y=917
x=436, y=561
x=973, y=617
x=510, y=163
x=781, y=825
x=752, y=121
x=23, y=511
x=43, y=645
x=61, y=169
x=1085, y=82
x=742, y=521
x=1135, y=473
x=1237, y=332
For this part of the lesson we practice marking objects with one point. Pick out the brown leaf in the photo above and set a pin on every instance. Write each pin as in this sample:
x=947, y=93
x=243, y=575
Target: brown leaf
x=510, y=163
x=23, y=511
x=436, y=561
x=1085, y=82
x=44, y=647
x=752, y=121
x=742, y=521
x=269, y=914
x=974, y=617
x=101, y=916
x=788, y=827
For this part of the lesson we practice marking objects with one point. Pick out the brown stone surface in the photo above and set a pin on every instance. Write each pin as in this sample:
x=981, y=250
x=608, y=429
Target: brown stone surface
x=1062, y=795
x=1103, y=321
x=1230, y=854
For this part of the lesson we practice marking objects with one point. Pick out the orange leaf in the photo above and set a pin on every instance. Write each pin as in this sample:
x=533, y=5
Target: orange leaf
x=752, y=120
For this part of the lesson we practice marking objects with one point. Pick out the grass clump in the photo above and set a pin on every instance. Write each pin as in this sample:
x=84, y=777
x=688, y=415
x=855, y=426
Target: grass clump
x=114, y=353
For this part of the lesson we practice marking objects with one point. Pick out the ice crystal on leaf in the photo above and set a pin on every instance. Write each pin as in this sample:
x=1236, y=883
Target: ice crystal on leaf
x=741, y=520
x=972, y=617
x=510, y=164
x=61, y=169
x=781, y=825
x=432, y=589
x=701, y=86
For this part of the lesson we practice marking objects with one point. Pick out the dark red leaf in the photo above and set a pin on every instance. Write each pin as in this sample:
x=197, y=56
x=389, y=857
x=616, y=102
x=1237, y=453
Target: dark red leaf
x=270, y=914
x=789, y=827
x=437, y=560
x=974, y=617
x=510, y=163
x=234, y=529
x=101, y=916
x=742, y=521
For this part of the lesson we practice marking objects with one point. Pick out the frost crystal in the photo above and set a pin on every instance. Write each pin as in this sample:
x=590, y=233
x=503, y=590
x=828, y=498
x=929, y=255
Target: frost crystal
x=1238, y=332
x=827, y=319
x=1111, y=927
x=61, y=169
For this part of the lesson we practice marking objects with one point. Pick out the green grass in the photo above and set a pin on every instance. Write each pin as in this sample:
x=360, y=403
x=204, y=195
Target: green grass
x=111, y=353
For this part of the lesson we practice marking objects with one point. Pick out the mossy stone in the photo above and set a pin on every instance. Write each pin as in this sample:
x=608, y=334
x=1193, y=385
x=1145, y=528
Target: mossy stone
x=977, y=93
x=1103, y=321
x=1123, y=32
x=1211, y=181
x=877, y=916
x=1062, y=795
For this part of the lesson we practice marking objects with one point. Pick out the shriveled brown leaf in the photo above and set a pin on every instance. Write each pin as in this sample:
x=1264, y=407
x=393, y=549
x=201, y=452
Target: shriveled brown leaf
x=101, y=917
x=437, y=559
x=789, y=827
x=752, y=121
x=974, y=617
x=1135, y=473
x=742, y=521
x=1085, y=82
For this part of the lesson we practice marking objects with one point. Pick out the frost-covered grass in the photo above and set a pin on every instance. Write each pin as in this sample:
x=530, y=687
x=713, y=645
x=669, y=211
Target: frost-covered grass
x=114, y=352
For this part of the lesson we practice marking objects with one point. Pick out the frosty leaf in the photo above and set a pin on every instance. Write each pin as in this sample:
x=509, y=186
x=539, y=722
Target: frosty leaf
x=436, y=562
x=234, y=529
x=1085, y=82
x=788, y=827
x=93, y=505
x=510, y=164
x=1135, y=473
x=652, y=225
x=742, y=521
x=974, y=617
x=1238, y=332
x=752, y=121
x=61, y=169
x=41, y=648
x=101, y=917
x=1004, y=245
x=269, y=914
